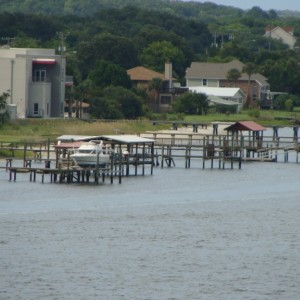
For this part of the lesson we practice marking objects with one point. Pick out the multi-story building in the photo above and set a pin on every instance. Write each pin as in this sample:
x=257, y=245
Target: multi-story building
x=35, y=80
x=206, y=74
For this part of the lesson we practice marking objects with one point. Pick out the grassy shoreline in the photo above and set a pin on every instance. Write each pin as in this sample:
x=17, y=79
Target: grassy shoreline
x=40, y=129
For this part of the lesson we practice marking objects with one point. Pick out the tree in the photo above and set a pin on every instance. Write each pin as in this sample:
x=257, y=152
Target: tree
x=106, y=73
x=155, y=85
x=116, y=103
x=82, y=93
x=249, y=69
x=234, y=75
x=157, y=53
x=3, y=112
x=114, y=49
x=191, y=103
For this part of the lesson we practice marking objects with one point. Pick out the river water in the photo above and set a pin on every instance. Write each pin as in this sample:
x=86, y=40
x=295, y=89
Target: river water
x=178, y=234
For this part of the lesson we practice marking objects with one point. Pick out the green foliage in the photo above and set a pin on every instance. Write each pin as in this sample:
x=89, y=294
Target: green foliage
x=128, y=33
x=3, y=113
x=116, y=103
x=106, y=74
x=157, y=53
x=289, y=105
x=191, y=103
x=254, y=113
x=286, y=102
x=234, y=75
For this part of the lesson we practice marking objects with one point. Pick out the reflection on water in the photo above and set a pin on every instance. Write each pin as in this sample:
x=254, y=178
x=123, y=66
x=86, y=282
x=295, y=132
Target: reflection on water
x=179, y=234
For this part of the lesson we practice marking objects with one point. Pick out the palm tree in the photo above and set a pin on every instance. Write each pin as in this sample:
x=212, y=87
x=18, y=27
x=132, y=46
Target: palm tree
x=155, y=85
x=83, y=91
x=3, y=98
x=249, y=69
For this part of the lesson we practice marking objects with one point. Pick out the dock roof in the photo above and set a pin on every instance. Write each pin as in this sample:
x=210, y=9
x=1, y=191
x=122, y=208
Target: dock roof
x=126, y=139
x=117, y=139
x=245, y=126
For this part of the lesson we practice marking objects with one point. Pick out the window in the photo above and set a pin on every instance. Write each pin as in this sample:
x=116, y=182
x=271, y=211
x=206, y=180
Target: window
x=166, y=100
x=35, y=108
x=39, y=75
x=204, y=82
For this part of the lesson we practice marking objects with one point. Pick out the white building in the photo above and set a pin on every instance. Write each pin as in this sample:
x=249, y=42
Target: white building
x=35, y=80
x=223, y=95
x=283, y=34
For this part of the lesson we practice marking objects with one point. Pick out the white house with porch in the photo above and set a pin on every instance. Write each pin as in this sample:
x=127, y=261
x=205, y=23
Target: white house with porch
x=222, y=96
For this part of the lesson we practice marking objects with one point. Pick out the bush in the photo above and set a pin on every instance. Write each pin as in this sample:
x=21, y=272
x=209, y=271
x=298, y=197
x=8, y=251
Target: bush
x=255, y=113
x=289, y=105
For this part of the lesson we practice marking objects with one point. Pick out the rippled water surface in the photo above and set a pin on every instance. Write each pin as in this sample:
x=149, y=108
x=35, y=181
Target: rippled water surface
x=179, y=234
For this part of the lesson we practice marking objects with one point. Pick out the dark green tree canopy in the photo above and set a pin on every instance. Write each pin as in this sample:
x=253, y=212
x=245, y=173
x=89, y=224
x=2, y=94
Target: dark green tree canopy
x=116, y=103
x=106, y=74
x=191, y=103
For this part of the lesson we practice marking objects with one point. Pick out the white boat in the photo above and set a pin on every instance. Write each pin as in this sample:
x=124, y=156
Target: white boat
x=91, y=154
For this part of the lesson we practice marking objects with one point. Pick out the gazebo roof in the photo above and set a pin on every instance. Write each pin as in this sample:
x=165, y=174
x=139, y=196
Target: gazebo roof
x=245, y=126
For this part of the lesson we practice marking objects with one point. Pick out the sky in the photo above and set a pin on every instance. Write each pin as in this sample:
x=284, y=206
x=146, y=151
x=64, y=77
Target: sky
x=263, y=4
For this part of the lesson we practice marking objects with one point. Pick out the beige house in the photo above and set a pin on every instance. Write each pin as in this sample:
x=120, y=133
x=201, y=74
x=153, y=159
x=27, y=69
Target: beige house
x=35, y=81
x=204, y=74
x=284, y=34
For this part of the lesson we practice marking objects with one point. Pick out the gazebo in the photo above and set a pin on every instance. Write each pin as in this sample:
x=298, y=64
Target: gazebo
x=254, y=129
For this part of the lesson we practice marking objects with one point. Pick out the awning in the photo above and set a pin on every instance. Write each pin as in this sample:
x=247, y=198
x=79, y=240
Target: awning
x=44, y=61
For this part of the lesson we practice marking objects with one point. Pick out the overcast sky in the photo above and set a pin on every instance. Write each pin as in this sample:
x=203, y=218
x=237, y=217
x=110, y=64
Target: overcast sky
x=263, y=4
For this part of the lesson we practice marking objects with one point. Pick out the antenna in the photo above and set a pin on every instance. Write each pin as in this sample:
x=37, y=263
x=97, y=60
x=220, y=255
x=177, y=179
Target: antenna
x=62, y=36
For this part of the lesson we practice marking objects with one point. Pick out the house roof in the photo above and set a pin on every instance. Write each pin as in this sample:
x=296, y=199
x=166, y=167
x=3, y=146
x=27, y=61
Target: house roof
x=288, y=29
x=143, y=74
x=245, y=126
x=216, y=91
x=83, y=104
x=218, y=100
x=220, y=70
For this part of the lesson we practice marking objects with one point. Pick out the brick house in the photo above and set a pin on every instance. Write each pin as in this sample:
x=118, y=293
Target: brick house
x=161, y=102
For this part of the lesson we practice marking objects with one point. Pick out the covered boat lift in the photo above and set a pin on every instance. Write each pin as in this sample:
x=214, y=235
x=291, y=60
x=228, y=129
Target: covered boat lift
x=126, y=150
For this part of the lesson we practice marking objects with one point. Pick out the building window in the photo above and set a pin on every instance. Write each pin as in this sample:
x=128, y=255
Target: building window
x=39, y=75
x=204, y=82
x=35, y=108
x=165, y=100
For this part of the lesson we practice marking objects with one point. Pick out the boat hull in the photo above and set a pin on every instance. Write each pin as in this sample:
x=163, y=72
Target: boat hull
x=89, y=160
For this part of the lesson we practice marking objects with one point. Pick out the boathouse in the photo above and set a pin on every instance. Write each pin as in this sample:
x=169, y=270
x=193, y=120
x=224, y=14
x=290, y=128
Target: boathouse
x=127, y=150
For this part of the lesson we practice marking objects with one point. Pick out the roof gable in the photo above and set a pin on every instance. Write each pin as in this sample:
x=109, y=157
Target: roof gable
x=220, y=70
x=143, y=74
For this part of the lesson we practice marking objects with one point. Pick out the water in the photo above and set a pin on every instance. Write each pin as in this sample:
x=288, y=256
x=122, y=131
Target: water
x=179, y=234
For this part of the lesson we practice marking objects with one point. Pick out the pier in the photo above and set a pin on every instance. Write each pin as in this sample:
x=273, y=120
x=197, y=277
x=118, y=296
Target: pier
x=152, y=149
x=60, y=167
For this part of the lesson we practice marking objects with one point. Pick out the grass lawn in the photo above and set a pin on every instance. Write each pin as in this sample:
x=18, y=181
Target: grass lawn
x=29, y=130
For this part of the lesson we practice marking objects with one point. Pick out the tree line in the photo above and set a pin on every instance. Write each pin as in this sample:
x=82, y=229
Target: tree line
x=103, y=45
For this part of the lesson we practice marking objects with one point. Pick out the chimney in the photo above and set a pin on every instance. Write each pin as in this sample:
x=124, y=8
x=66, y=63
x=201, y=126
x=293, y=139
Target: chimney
x=168, y=73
